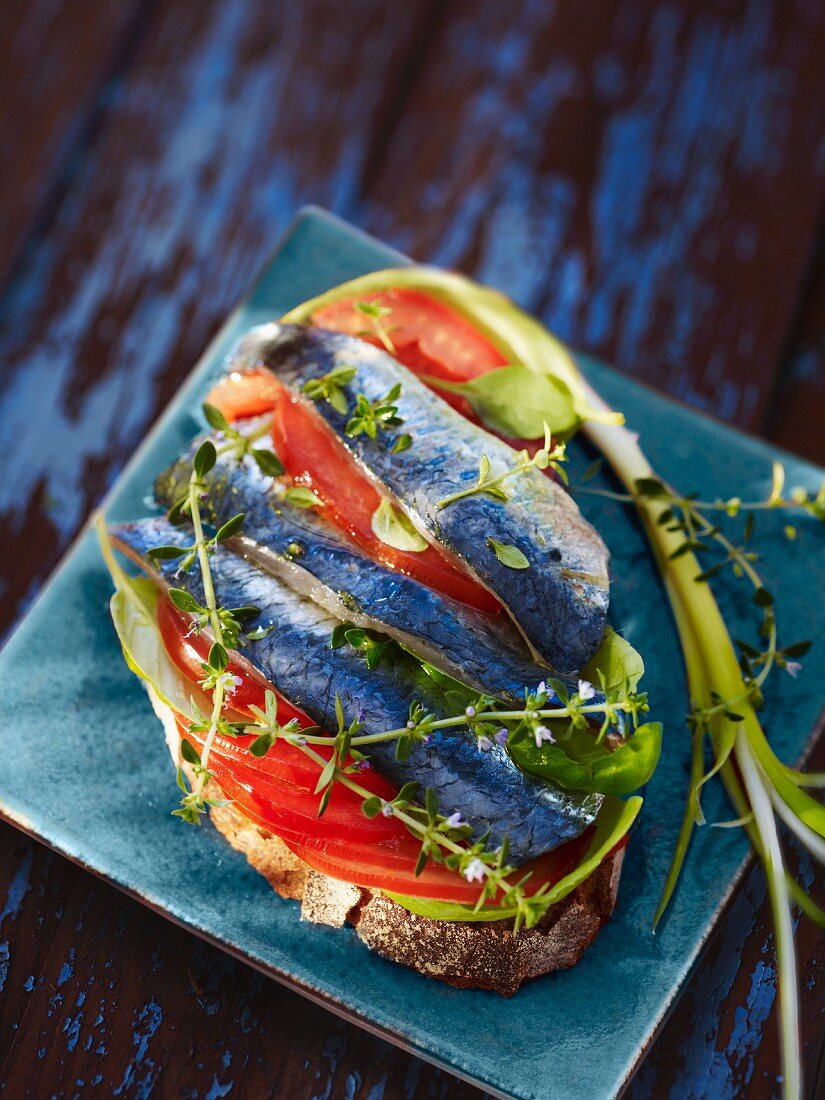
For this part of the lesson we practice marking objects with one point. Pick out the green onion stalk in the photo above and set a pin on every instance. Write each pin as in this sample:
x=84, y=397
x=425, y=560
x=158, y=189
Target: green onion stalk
x=757, y=782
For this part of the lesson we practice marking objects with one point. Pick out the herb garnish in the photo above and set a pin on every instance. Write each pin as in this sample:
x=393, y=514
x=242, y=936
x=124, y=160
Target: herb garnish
x=394, y=528
x=508, y=554
x=371, y=643
x=302, y=497
x=374, y=312
x=224, y=627
x=236, y=444
x=515, y=401
x=370, y=417
x=330, y=387
x=490, y=485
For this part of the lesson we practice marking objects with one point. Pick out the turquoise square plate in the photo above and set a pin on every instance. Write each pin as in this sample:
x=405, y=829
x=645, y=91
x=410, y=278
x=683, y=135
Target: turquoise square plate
x=85, y=768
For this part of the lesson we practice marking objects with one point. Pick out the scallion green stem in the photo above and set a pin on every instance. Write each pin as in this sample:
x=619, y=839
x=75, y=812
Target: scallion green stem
x=712, y=666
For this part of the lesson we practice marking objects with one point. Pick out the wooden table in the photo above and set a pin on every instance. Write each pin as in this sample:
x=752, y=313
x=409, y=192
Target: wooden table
x=648, y=177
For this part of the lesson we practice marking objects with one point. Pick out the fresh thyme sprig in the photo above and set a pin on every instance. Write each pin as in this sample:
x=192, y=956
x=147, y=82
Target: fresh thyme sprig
x=330, y=387
x=684, y=514
x=374, y=646
x=654, y=488
x=367, y=417
x=375, y=312
x=483, y=715
x=266, y=721
x=490, y=485
x=370, y=417
x=230, y=442
x=224, y=625
x=443, y=840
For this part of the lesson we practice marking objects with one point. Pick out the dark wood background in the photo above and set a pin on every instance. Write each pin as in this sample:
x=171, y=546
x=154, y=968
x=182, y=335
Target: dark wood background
x=647, y=176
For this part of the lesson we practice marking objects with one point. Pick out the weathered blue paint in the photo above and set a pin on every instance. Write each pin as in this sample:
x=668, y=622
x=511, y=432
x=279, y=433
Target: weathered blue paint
x=14, y=899
x=627, y=183
x=89, y=331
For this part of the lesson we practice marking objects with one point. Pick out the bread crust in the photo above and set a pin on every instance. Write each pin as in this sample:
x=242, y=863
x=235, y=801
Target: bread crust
x=468, y=955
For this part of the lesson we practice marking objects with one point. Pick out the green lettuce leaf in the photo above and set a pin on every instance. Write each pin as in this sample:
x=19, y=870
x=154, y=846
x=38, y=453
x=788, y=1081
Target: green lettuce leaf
x=612, y=824
x=133, y=609
x=615, y=663
x=518, y=402
x=593, y=768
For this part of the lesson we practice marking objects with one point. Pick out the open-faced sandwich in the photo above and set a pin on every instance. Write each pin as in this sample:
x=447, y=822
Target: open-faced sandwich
x=373, y=622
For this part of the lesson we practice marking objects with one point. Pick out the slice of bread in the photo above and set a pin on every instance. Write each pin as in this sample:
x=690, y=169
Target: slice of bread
x=469, y=955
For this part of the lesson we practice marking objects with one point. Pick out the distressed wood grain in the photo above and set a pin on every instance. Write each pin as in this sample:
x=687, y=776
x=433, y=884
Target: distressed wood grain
x=55, y=56
x=796, y=419
x=219, y=129
x=647, y=177
x=102, y=998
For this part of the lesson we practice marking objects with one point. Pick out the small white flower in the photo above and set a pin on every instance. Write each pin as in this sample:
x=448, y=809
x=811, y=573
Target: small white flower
x=386, y=810
x=230, y=683
x=470, y=712
x=474, y=871
x=548, y=693
x=542, y=733
x=794, y=668
x=484, y=744
x=454, y=821
x=586, y=689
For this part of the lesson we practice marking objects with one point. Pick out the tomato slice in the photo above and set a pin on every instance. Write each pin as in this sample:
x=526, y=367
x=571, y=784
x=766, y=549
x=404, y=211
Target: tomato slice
x=314, y=456
x=244, y=393
x=279, y=804
x=390, y=866
x=430, y=338
x=278, y=789
x=188, y=651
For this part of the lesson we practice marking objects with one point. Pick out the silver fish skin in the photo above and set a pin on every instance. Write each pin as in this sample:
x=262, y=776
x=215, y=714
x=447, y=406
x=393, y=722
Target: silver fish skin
x=485, y=787
x=560, y=602
x=309, y=555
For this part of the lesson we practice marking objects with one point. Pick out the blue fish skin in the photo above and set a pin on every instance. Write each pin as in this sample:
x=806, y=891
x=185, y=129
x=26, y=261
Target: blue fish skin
x=560, y=602
x=308, y=554
x=485, y=787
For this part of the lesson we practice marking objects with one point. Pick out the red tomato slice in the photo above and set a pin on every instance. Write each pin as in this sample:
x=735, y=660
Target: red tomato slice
x=188, y=651
x=288, y=808
x=244, y=393
x=390, y=866
x=313, y=455
x=429, y=338
x=278, y=788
